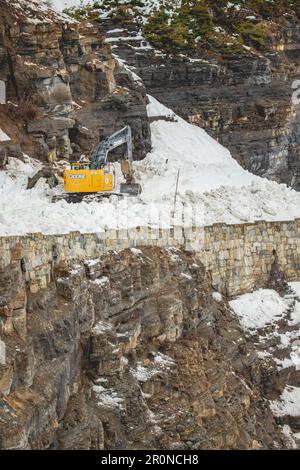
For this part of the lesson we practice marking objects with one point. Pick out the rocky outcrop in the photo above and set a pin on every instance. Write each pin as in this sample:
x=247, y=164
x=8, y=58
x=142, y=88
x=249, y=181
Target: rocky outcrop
x=130, y=350
x=243, y=99
x=65, y=90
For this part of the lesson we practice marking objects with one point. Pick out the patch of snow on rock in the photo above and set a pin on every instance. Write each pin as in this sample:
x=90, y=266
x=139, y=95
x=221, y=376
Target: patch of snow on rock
x=217, y=296
x=101, y=327
x=290, y=436
x=3, y=136
x=161, y=363
x=288, y=404
x=108, y=398
x=259, y=309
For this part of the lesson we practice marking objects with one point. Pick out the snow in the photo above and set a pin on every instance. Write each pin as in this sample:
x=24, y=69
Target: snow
x=209, y=176
x=259, y=309
x=108, y=398
x=288, y=404
x=212, y=188
x=60, y=5
x=295, y=315
x=101, y=327
x=162, y=363
x=2, y=353
x=217, y=296
x=292, y=361
x=295, y=286
x=291, y=340
x=163, y=360
x=136, y=251
x=101, y=281
x=157, y=109
x=3, y=137
x=116, y=30
x=122, y=63
x=186, y=276
x=37, y=11
x=123, y=38
x=264, y=308
x=92, y=262
x=291, y=436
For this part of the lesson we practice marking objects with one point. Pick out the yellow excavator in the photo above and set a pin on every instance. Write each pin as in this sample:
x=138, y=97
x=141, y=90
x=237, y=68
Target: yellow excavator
x=97, y=175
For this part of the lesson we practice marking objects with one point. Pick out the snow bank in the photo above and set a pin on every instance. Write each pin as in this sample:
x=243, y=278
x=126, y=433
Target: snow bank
x=212, y=188
x=289, y=403
x=259, y=309
x=3, y=137
x=209, y=177
x=203, y=163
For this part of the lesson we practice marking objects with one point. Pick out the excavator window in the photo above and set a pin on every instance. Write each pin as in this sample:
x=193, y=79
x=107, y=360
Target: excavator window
x=80, y=166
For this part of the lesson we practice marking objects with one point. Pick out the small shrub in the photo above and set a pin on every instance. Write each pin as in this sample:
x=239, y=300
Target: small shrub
x=26, y=110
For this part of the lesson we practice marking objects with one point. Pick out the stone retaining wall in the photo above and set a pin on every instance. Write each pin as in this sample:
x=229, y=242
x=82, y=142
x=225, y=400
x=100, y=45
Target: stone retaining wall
x=239, y=257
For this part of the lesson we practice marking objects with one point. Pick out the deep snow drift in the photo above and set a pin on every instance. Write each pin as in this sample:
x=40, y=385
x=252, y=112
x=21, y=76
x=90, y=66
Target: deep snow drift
x=212, y=188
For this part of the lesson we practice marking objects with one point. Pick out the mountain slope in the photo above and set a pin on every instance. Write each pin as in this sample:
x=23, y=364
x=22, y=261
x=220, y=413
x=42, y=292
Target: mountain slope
x=228, y=67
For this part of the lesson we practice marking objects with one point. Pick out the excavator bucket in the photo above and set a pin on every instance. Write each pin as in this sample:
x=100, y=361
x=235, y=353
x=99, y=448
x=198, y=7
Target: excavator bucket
x=130, y=187
x=133, y=189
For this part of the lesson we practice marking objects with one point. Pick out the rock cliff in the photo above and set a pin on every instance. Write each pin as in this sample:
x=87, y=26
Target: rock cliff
x=243, y=97
x=103, y=346
x=65, y=90
x=130, y=350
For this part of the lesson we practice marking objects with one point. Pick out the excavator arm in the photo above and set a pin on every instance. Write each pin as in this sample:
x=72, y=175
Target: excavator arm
x=100, y=156
x=100, y=153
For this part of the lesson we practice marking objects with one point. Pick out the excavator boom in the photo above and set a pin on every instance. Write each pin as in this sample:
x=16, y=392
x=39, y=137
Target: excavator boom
x=100, y=153
x=100, y=156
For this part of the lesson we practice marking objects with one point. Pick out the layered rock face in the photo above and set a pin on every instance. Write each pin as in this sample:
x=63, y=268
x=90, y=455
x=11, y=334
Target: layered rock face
x=244, y=99
x=71, y=90
x=127, y=351
x=65, y=90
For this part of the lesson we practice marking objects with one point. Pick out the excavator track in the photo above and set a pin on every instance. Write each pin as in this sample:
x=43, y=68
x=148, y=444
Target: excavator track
x=75, y=198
